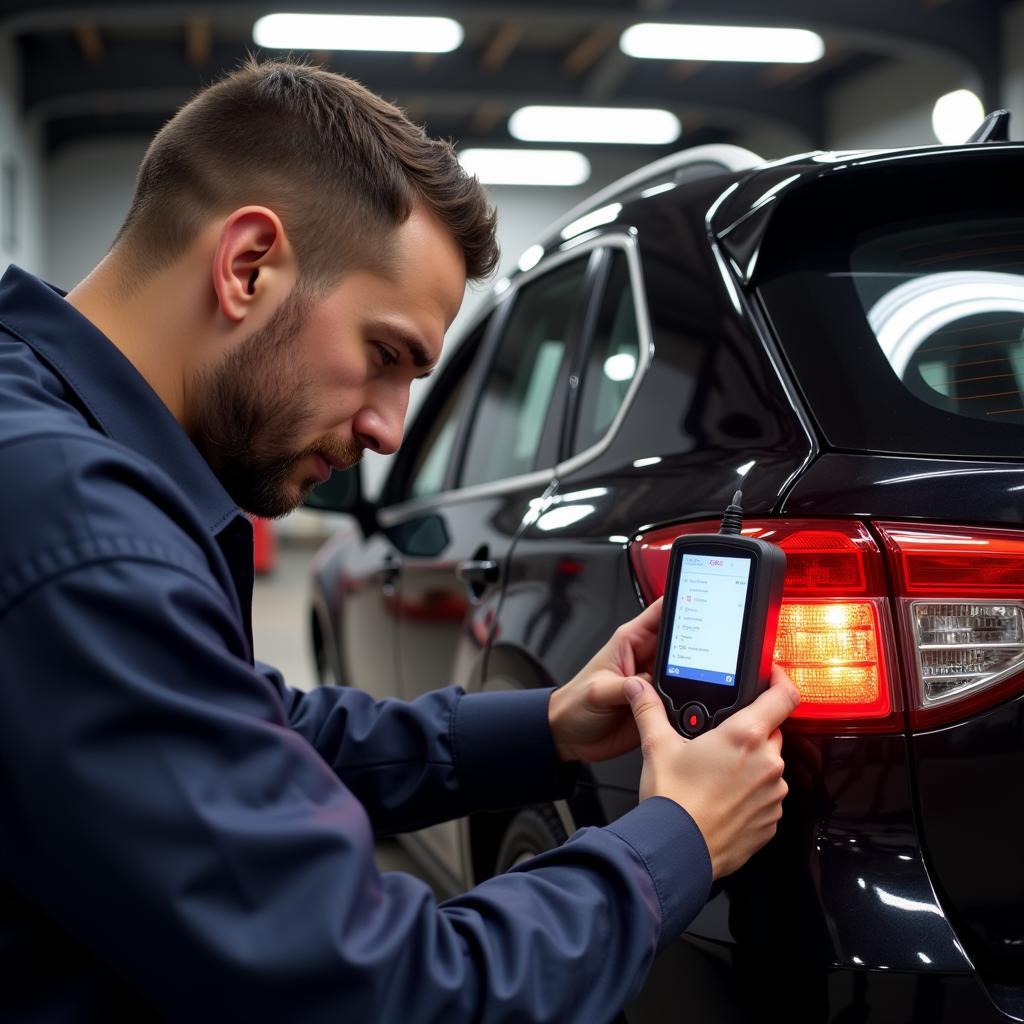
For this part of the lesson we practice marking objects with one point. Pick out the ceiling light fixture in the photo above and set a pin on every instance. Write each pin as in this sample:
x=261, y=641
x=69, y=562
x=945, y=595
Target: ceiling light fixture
x=357, y=32
x=623, y=125
x=526, y=166
x=722, y=42
x=956, y=115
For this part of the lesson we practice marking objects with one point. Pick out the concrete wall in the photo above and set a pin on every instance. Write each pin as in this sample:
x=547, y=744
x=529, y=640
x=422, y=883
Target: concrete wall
x=89, y=187
x=21, y=175
x=892, y=105
x=889, y=106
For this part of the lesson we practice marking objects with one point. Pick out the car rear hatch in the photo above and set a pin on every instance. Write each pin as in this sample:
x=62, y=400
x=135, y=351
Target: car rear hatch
x=894, y=287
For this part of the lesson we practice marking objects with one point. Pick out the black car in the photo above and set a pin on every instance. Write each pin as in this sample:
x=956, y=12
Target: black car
x=843, y=335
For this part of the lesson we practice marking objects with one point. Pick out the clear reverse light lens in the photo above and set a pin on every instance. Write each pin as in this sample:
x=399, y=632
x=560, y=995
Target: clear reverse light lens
x=357, y=32
x=965, y=646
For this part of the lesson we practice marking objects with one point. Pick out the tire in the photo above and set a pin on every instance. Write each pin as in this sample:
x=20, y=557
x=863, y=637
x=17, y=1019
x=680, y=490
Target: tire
x=321, y=661
x=530, y=832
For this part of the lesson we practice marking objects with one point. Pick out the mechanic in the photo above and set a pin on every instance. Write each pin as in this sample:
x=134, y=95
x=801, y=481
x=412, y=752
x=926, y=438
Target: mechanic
x=184, y=836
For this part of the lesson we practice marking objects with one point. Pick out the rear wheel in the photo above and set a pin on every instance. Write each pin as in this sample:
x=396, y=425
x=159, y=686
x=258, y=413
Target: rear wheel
x=321, y=659
x=530, y=832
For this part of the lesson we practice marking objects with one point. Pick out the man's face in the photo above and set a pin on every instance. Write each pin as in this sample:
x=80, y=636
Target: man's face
x=326, y=378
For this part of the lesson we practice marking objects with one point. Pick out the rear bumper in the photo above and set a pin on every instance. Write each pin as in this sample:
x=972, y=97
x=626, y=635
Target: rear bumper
x=697, y=979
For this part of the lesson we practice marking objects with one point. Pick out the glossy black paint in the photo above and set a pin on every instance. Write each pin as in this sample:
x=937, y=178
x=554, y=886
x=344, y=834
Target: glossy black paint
x=893, y=891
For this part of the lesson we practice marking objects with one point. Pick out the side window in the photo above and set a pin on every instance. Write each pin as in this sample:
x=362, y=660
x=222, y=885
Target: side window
x=516, y=399
x=613, y=358
x=429, y=466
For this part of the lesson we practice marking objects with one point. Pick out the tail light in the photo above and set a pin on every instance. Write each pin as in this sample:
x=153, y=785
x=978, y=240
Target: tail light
x=834, y=635
x=960, y=593
x=959, y=598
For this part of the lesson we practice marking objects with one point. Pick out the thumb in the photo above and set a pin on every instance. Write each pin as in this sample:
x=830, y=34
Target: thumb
x=648, y=711
x=772, y=708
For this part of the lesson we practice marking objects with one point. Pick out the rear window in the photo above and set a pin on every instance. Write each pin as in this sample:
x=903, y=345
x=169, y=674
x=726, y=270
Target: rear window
x=898, y=297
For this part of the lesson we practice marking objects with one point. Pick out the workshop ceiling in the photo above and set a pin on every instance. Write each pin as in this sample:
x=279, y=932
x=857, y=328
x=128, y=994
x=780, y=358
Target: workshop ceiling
x=124, y=67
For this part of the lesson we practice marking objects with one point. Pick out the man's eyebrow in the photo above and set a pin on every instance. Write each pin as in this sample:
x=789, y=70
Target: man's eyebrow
x=416, y=349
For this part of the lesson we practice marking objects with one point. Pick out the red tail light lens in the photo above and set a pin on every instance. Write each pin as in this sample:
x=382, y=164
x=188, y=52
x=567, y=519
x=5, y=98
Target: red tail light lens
x=834, y=635
x=960, y=593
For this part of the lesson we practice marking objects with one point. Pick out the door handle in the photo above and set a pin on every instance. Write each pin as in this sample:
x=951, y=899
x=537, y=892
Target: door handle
x=388, y=573
x=477, y=572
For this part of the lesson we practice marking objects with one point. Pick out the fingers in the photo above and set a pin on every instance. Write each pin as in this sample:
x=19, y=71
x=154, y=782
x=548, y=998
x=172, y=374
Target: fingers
x=641, y=635
x=779, y=677
x=651, y=721
x=645, y=625
x=770, y=710
x=606, y=691
x=650, y=618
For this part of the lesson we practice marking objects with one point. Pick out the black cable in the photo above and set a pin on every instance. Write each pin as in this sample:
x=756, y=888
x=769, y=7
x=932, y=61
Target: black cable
x=732, y=519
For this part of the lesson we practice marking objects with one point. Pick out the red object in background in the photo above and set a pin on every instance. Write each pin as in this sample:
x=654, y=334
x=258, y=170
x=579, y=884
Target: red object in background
x=264, y=545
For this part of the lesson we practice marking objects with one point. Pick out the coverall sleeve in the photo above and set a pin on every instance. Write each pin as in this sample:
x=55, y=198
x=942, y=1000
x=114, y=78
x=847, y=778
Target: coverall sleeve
x=446, y=754
x=157, y=803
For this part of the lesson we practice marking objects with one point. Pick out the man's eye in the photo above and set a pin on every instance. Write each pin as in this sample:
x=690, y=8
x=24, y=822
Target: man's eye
x=387, y=357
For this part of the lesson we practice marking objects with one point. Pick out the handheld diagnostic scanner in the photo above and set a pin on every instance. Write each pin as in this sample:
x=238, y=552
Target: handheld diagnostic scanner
x=718, y=623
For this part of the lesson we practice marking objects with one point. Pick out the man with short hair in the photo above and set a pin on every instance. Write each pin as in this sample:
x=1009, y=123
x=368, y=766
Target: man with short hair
x=183, y=835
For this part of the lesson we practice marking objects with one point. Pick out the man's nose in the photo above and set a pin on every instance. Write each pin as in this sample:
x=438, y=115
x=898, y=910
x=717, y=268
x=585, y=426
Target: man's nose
x=380, y=430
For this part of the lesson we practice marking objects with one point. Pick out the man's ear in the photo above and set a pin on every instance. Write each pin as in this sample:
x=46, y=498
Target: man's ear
x=253, y=265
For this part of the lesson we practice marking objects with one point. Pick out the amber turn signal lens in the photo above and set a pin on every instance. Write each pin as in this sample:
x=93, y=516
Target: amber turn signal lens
x=832, y=652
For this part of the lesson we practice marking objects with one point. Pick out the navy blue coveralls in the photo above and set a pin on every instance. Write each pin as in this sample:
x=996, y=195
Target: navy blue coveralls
x=183, y=836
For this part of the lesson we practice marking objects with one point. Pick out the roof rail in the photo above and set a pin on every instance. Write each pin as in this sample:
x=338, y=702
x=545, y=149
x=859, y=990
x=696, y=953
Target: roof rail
x=730, y=158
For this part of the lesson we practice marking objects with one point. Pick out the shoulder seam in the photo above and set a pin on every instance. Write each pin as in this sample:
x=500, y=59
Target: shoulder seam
x=87, y=436
x=46, y=565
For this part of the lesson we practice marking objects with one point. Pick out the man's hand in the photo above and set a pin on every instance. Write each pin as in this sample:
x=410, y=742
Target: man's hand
x=590, y=716
x=729, y=779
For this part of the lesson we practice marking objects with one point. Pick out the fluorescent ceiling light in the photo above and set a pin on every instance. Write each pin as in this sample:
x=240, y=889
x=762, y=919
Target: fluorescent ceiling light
x=595, y=124
x=526, y=166
x=357, y=32
x=722, y=42
x=956, y=115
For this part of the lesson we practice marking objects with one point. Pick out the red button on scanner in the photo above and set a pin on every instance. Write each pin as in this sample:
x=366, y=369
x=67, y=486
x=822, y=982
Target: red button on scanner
x=693, y=719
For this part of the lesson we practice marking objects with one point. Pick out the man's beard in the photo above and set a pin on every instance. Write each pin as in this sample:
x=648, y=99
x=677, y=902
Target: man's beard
x=248, y=410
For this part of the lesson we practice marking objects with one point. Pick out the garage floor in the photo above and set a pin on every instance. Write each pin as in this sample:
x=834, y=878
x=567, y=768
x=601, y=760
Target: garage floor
x=281, y=638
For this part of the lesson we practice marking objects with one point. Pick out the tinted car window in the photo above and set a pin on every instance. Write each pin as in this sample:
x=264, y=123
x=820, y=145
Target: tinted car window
x=428, y=472
x=516, y=399
x=612, y=360
x=902, y=317
x=436, y=428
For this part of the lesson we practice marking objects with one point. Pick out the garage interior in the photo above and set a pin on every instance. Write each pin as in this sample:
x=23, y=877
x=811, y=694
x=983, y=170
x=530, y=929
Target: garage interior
x=83, y=87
